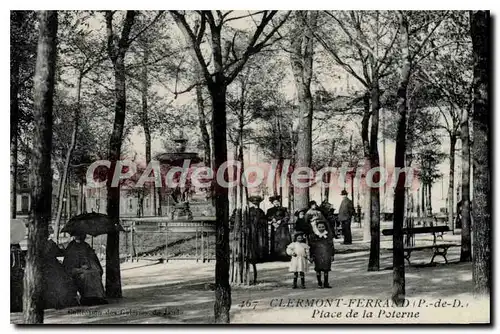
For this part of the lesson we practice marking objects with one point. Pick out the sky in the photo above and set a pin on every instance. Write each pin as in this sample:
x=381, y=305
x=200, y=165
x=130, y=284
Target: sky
x=333, y=79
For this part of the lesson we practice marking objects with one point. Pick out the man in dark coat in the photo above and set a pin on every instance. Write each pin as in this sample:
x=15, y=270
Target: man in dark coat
x=278, y=218
x=259, y=232
x=346, y=211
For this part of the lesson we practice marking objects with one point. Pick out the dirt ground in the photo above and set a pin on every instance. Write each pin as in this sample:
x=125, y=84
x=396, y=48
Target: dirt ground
x=180, y=292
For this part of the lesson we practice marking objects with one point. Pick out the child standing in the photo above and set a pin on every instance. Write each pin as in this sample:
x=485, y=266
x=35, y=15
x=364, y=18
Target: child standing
x=299, y=251
x=322, y=252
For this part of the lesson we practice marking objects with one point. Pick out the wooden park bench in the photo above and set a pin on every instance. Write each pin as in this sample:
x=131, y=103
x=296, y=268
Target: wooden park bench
x=440, y=249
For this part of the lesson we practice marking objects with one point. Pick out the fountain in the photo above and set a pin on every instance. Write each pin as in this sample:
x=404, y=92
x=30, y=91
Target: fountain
x=181, y=210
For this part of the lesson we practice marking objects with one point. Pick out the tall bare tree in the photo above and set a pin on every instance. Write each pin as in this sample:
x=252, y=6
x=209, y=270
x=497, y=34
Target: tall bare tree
x=466, y=244
x=398, y=287
x=41, y=173
x=366, y=53
x=90, y=56
x=226, y=63
x=301, y=57
x=481, y=158
x=117, y=49
x=416, y=32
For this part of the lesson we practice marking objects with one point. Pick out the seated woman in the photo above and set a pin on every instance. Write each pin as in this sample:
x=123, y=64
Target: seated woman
x=83, y=265
x=59, y=289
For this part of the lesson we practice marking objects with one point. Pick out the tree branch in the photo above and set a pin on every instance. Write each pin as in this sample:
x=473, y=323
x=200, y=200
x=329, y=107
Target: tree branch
x=157, y=17
x=192, y=40
x=253, y=47
x=427, y=38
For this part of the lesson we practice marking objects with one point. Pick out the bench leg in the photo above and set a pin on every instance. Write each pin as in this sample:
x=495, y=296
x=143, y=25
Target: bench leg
x=442, y=251
x=407, y=257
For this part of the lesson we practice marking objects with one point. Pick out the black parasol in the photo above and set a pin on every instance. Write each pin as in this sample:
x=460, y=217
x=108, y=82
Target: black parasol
x=92, y=223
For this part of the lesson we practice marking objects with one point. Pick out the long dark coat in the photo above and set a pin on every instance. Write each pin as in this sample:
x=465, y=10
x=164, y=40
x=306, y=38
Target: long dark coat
x=280, y=235
x=59, y=287
x=322, y=252
x=88, y=281
x=259, y=235
x=346, y=210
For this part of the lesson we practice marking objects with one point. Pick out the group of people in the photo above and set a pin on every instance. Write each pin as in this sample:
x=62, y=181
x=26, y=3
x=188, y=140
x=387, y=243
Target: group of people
x=313, y=242
x=314, y=228
x=75, y=281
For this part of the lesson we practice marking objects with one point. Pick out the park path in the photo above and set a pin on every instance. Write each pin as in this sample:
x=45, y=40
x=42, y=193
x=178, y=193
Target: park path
x=179, y=292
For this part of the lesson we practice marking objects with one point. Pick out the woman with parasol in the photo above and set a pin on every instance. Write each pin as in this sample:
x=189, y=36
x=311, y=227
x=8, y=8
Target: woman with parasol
x=81, y=262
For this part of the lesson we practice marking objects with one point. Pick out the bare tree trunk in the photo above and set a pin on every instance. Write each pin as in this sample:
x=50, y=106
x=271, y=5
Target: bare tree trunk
x=217, y=82
x=279, y=168
x=429, y=199
x=465, y=251
x=72, y=145
x=291, y=194
x=84, y=198
x=242, y=259
x=329, y=175
x=481, y=258
x=116, y=52
x=203, y=124
x=234, y=190
x=145, y=117
x=398, y=264
x=451, y=184
x=144, y=97
x=302, y=67
x=79, y=202
x=40, y=172
x=423, y=188
x=374, y=260
x=236, y=248
x=68, y=198
x=222, y=288
x=367, y=165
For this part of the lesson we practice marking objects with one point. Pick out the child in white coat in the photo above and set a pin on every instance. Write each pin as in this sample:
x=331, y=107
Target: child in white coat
x=299, y=251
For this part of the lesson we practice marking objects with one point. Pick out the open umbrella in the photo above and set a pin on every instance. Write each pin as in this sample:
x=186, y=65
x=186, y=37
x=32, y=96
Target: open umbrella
x=92, y=223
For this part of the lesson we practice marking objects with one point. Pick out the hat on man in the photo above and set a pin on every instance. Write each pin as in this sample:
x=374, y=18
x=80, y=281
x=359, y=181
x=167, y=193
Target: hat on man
x=274, y=198
x=344, y=193
x=256, y=199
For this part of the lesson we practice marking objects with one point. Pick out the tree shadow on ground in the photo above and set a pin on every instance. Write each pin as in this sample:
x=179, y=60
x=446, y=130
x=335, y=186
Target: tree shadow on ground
x=189, y=297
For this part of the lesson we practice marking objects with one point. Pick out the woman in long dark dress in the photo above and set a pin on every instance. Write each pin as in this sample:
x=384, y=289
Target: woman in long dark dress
x=83, y=265
x=280, y=233
x=259, y=231
x=59, y=289
x=322, y=252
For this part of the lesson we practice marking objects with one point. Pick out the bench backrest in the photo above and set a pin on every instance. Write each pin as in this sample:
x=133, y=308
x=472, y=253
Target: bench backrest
x=418, y=230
